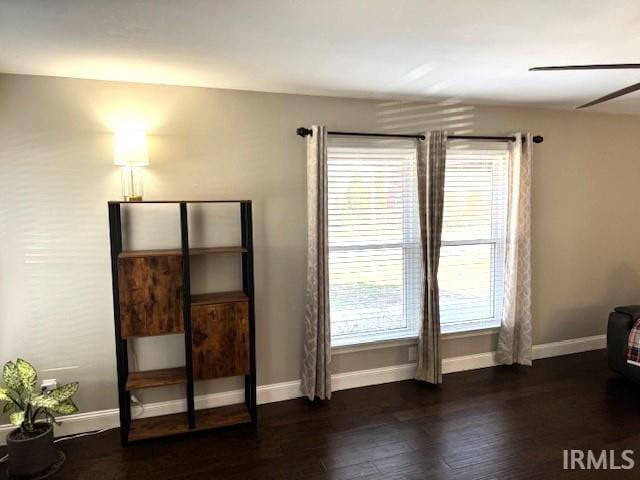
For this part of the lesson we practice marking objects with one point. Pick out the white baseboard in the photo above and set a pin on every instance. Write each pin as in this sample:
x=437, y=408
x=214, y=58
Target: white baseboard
x=544, y=350
x=277, y=392
x=567, y=347
x=373, y=376
x=469, y=362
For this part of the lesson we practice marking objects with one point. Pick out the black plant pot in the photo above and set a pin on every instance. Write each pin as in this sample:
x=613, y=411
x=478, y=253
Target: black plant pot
x=31, y=456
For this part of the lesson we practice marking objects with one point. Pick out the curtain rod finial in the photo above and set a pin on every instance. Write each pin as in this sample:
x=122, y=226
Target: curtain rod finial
x=538, y=139
x=303, y=131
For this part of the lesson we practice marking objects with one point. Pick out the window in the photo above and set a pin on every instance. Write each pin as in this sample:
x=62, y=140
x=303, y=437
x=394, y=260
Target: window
x=472, y=256
x=375, y=267
x=374, y=240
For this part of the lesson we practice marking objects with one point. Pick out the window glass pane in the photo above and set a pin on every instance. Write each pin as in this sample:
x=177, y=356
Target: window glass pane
x=466, y=284
x=366, y=291
x=469, y=199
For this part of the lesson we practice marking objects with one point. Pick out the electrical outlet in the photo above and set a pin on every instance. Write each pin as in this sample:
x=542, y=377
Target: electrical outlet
x=48, y=385
x=413, y=353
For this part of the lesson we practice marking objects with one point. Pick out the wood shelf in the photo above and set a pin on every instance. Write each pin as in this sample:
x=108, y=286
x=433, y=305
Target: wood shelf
x=154, y=427
x=218, y=297
x=166, y=425
x=156, y=378
x=162, y=334
x=135, y=202
x=177, y=252
x=222, y=416
x=209, y=250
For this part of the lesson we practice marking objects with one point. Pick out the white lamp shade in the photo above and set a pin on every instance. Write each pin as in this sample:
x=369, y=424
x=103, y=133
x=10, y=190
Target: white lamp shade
x=130, y=148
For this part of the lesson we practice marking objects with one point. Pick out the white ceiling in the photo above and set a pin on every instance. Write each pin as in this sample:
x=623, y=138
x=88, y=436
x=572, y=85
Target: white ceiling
x=476, y=51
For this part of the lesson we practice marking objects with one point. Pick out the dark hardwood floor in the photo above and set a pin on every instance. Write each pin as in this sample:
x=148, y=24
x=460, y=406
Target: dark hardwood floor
x=496, y=423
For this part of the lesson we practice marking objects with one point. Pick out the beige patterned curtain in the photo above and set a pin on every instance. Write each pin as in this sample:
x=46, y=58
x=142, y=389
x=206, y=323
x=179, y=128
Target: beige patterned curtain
x=514, y=341
x=316, y=375
x=432, y=153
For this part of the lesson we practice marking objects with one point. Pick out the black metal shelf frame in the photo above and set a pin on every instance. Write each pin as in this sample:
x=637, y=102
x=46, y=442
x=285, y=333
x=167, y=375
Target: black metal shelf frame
x=122, y=361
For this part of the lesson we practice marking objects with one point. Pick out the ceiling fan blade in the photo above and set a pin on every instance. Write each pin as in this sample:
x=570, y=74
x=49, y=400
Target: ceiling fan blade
x=616, y=94
x=611, y=66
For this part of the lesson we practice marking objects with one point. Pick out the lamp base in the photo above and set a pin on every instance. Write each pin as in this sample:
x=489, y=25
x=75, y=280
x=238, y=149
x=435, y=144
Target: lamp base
x=132, y=184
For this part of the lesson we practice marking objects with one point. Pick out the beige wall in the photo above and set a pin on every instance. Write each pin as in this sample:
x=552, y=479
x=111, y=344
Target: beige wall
x=56, y=174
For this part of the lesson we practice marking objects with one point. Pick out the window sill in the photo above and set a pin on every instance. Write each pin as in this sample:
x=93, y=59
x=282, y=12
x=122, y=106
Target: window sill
x=471, y=333
x=407, y=341
x=374, y=345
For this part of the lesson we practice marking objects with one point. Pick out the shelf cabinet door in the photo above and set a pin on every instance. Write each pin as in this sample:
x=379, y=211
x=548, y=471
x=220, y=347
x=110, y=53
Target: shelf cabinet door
x=220, y=340
x=150, y=291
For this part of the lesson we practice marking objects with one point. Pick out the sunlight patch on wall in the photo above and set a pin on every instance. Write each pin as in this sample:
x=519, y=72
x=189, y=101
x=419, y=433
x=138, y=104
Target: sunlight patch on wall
x=409, y=116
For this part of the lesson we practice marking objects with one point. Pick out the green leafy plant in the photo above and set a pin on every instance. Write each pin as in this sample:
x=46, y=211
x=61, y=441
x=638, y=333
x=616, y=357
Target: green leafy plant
x=25, y=405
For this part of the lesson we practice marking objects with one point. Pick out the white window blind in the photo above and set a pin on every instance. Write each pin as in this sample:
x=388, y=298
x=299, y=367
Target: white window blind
x=374, y=240
x=471, y=271
x=375, y=269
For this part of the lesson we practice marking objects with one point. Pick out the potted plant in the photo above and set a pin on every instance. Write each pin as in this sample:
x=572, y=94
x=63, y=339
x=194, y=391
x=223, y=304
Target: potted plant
x=30, y=446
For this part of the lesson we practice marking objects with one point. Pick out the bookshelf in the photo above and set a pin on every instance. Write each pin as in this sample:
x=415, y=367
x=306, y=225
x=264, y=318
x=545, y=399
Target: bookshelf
x=152, y=297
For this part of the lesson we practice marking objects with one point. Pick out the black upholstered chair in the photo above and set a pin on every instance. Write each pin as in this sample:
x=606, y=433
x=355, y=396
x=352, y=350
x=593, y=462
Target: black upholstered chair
x=620, y=322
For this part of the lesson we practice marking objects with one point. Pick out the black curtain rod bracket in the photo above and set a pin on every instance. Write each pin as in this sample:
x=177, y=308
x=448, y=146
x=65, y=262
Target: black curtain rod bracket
x=303, y=132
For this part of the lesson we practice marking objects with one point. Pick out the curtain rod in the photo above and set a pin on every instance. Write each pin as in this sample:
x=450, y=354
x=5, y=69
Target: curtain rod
x=303, y=132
